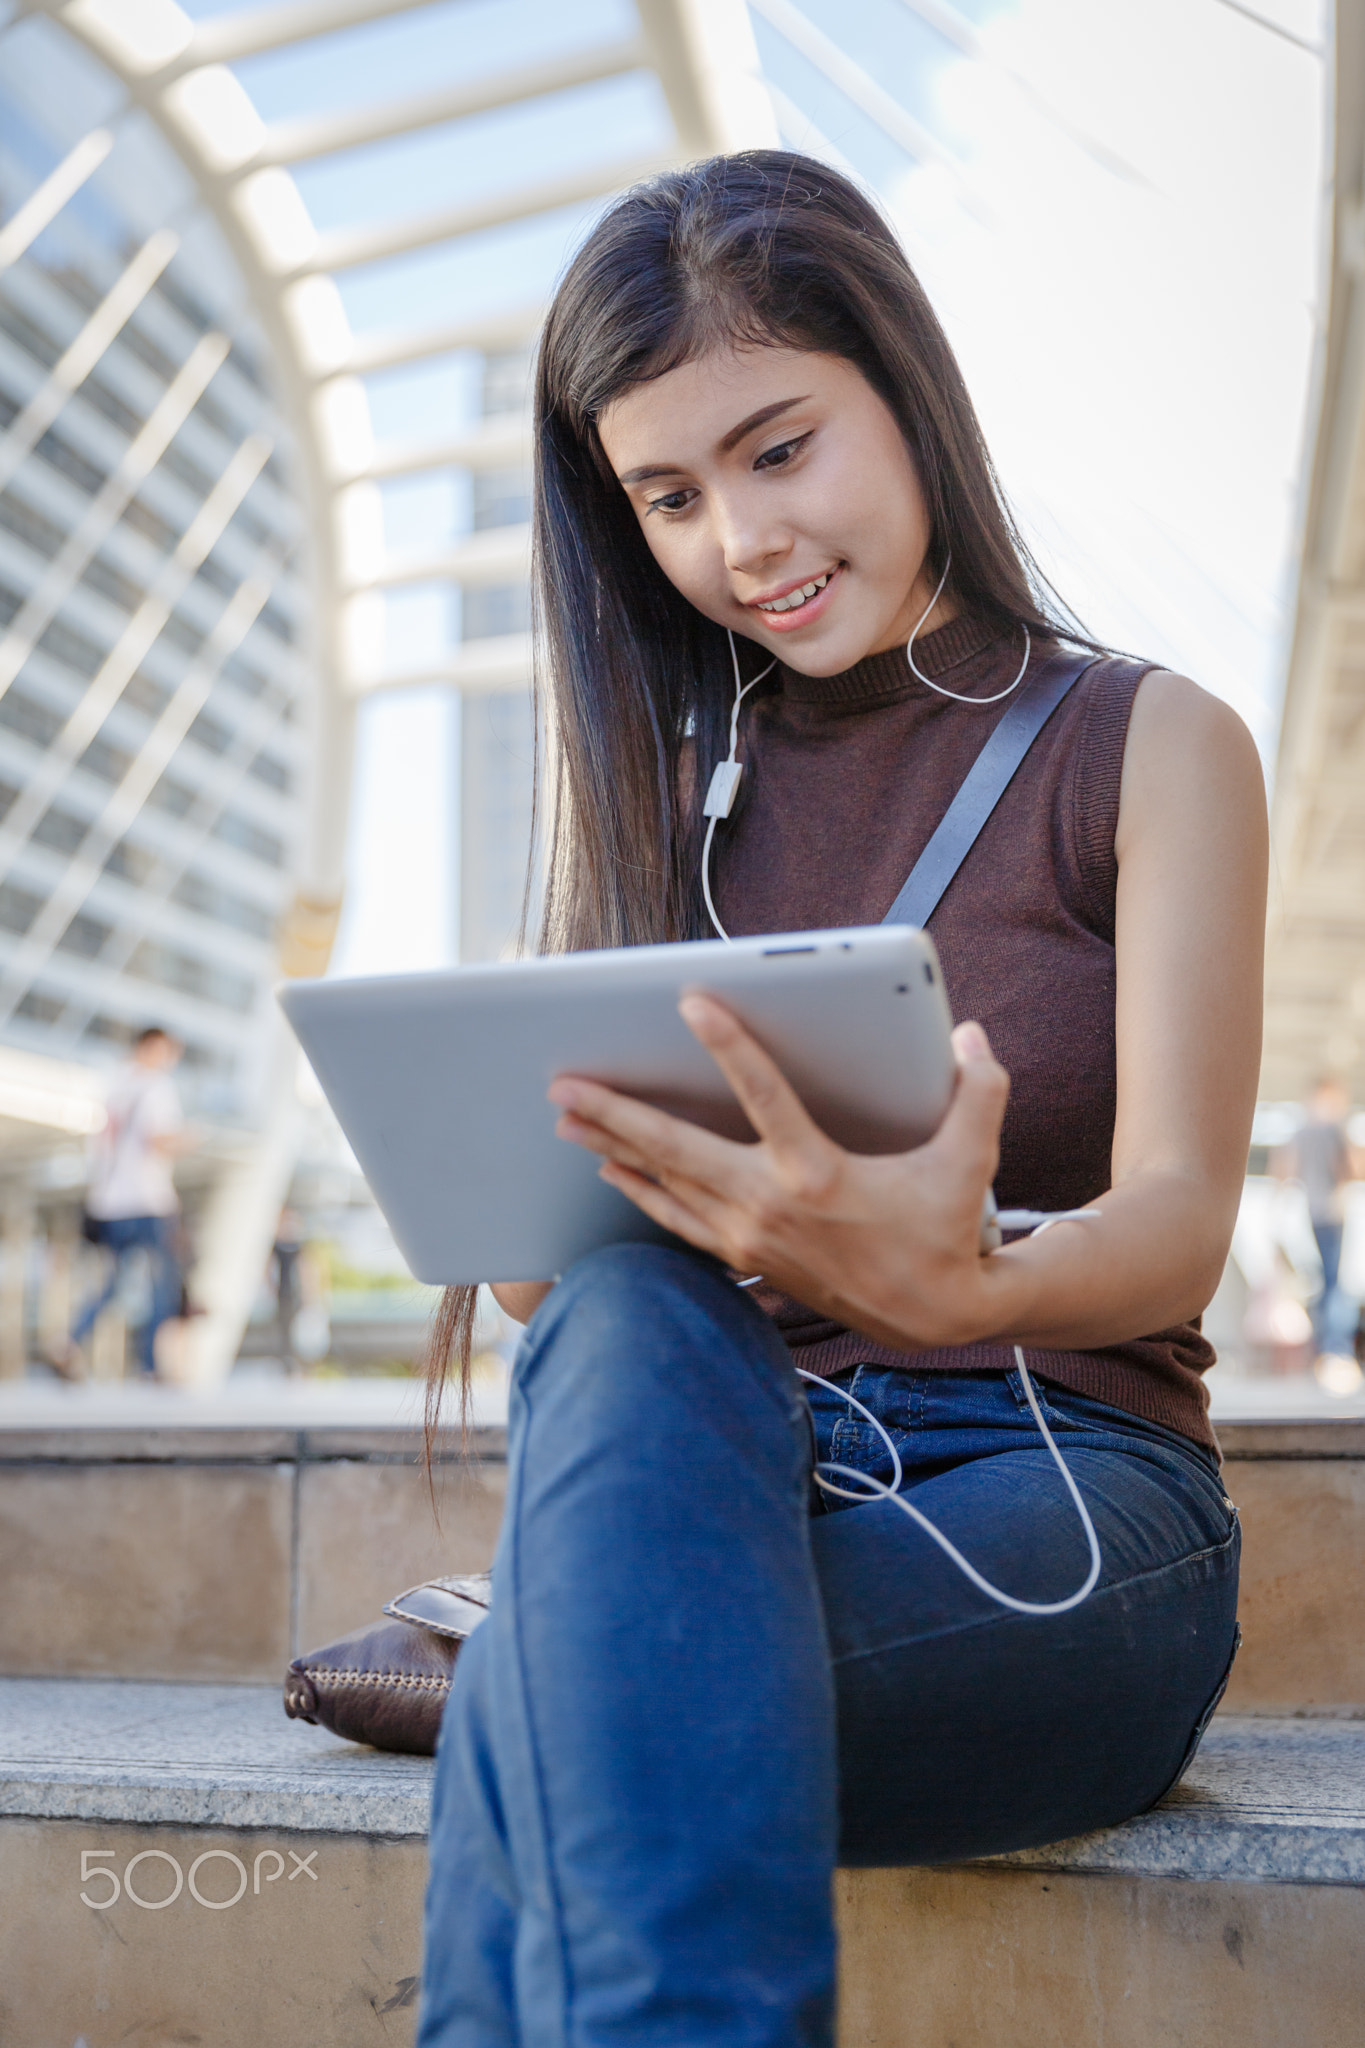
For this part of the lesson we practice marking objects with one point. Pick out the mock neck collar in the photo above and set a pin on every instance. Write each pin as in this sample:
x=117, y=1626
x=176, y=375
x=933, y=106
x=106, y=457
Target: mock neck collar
x=885, y=678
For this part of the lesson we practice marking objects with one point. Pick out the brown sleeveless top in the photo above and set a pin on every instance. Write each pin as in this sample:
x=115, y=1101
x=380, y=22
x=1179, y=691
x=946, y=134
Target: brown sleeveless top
x=846, y=777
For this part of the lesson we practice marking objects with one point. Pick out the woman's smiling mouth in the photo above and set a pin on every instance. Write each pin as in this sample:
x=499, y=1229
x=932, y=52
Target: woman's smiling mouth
x=802, y=603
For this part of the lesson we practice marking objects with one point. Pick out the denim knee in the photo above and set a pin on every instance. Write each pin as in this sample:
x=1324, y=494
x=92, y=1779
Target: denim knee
x=642, y=1327
x=635, y=1273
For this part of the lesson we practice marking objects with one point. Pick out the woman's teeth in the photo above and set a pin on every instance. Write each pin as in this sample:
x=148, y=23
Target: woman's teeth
x=795, y=598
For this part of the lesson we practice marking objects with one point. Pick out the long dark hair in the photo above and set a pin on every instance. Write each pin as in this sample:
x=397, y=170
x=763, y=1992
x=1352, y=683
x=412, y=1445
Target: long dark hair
x=764, y=248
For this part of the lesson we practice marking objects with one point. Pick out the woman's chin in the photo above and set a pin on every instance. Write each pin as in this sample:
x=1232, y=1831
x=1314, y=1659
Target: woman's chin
x=819, y=654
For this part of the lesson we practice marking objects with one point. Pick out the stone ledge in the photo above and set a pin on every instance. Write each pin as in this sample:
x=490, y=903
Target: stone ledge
x=194, y=1756
x=229, y=1444
x=1328, y=1437
x=1269, y=1802
x=1265, y=1801
x=247, y=1419
x=180, y=1441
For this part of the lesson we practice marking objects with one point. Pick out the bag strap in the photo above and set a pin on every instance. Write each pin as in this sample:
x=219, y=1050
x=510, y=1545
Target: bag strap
x=987, y=780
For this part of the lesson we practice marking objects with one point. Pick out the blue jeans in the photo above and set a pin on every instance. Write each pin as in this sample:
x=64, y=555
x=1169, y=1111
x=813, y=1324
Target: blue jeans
x=123, y=1236
x=694, y=1695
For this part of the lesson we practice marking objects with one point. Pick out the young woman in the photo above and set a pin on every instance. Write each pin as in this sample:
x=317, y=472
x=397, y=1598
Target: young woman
x=705, y=1681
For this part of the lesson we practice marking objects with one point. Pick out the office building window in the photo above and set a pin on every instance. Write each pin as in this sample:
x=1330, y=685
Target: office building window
x=502, y=497
x=498, y=608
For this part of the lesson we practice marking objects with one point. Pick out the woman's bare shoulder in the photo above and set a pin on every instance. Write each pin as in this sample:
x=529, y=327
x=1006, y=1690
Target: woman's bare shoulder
x=1187, y=751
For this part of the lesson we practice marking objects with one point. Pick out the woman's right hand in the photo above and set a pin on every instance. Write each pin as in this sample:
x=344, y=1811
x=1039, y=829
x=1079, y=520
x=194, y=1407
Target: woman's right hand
x=520, y=1299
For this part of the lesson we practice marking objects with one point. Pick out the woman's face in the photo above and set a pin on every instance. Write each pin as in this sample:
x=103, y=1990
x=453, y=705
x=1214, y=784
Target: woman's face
x=758, y=472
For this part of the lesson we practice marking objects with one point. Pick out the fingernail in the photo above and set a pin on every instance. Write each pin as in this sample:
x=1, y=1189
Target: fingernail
x=562, y=1093
x=973, y=1042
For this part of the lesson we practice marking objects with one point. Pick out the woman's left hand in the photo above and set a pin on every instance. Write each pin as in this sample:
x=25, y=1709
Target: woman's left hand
x=888, y=1246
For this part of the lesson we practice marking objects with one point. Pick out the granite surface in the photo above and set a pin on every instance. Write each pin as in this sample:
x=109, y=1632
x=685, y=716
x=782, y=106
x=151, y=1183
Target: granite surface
x=1270, y=1801
x=196, y=1755
x=1265, y=1801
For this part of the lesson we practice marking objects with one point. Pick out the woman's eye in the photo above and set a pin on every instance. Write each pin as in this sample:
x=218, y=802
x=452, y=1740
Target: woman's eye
x=777, y=458
x=672, y=501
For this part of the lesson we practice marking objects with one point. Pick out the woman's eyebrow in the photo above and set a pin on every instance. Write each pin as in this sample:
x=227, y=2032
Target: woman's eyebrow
x=759, y=419
x=727, y=442
x=649, y=472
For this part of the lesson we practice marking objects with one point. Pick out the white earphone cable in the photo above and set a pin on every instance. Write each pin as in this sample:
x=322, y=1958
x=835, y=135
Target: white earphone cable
x=958, y=696
x=878, y=1489
x=725, y=779
x=720, y=797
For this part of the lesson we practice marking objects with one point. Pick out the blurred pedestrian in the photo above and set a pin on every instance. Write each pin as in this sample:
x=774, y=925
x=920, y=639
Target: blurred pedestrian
x=288, y=1254
x=1322, y=1159
x=131, y=1204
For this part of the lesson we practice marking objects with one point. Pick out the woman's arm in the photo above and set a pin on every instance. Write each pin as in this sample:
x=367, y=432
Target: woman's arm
x=1192, y=848
x=520, y=1299
x=889, y=1246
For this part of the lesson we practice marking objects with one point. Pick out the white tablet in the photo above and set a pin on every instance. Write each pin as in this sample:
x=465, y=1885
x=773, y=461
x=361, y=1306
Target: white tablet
x=439, y=1080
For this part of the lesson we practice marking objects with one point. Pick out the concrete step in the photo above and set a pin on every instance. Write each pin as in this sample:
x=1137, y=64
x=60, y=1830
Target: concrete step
x=199, y=1545
x=267, y=1879
x=1300, y=1492
x=265, y=1884
x=217, y=1549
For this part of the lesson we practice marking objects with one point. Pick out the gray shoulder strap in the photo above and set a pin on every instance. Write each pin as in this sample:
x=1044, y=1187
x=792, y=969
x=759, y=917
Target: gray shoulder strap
x=987, y=780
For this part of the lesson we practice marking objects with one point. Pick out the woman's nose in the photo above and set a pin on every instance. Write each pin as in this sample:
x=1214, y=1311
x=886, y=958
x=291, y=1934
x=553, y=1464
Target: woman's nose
x=752, y=540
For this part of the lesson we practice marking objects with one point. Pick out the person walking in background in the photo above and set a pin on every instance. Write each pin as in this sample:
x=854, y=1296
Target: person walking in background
x=285, y=1253
x=131, y=1204
x=1321, y=1158
x=300, y=1295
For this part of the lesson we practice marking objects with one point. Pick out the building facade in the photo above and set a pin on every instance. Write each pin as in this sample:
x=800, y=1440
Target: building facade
x=154, y=698
x=266, y=277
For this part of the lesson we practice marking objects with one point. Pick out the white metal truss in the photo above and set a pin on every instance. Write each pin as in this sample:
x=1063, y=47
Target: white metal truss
x=215, y=793
x=856, y=84
x=75, y=365
x=42, y=207
x=83, y=872
x=121, y=663
x=1315, y=988
x=143, y=453
x=27, y=957
x=176, y=71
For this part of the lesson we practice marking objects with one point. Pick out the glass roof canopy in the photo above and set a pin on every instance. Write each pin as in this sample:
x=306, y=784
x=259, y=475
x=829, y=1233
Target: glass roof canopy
x=396, y=184
x=393, y=185
x=354, y=211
